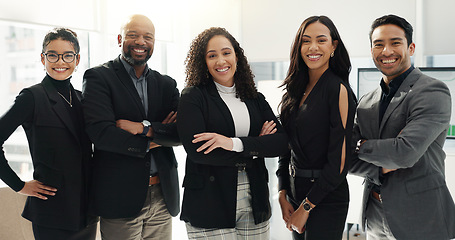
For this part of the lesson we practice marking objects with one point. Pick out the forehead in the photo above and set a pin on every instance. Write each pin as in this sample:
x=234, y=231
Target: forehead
x=317, y=29
x=140, y=26
x=386, y=32
x=219, y=42
x=59, y=45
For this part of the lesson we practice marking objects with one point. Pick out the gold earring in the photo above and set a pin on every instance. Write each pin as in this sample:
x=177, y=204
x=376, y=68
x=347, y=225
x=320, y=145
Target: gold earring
x=332, y=54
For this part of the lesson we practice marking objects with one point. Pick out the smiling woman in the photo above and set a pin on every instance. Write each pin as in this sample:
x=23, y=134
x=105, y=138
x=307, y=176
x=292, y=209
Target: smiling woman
x=51, y=114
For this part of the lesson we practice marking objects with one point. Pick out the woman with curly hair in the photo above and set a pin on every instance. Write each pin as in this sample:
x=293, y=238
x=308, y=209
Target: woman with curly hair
x=317, y=111
x=226, y=128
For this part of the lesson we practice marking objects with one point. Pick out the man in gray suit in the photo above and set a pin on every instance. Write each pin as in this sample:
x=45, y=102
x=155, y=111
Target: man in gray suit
x=400, y=129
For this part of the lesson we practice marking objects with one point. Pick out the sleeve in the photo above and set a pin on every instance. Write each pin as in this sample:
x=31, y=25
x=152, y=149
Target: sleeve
x=428, y=116
x=335, y=170
x=358, y=167
x=191, y=120
x=271, y=145
x=283, y=172
x=21, y=112
x=100, y=119
x=166, y=134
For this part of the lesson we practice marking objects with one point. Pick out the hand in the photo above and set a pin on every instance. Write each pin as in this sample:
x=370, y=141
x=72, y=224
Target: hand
x=214, y=141
x=153, y=145
x=385, y=170
x=35, y=188
x=171, y=118
x=298, y=220
x=129, y=126
x=286, y=208
x=268, y=128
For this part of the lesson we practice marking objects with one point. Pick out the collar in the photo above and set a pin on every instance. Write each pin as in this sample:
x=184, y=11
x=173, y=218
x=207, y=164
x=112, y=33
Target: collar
x=396, y=82
x=131, y=71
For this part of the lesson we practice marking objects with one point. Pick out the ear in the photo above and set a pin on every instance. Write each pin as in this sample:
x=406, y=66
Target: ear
x=78, y=59
x=43, y=59
x=335, y=44
x=119, y=39
x=412, y=48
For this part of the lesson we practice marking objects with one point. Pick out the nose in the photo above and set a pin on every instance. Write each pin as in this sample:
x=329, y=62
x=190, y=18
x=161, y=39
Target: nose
x=387, y=50
x=313, y=45
x=140, y=40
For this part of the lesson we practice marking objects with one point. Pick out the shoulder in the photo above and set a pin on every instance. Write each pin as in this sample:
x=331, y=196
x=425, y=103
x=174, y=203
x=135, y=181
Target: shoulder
x=162, y=78
x=192, y=91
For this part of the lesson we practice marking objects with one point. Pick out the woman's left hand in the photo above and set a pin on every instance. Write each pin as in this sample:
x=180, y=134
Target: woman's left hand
x=268, y=128
x=214, y=141
x=298, y=220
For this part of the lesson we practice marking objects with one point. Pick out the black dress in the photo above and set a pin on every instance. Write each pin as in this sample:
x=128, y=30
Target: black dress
x=316, y=136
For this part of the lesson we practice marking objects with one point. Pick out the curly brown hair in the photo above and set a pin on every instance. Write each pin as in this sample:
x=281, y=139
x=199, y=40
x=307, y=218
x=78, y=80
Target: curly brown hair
x=197, y=73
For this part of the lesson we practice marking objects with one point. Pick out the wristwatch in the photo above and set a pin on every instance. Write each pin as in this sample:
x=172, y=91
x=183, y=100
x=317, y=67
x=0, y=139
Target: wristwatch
x=306, y=205
x=146, y=127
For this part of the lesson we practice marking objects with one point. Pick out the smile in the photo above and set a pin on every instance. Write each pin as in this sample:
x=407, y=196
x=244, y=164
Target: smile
x=139, y=50
x=222, y=69
x=314, y=57
x=388, y=61
x=60, y=69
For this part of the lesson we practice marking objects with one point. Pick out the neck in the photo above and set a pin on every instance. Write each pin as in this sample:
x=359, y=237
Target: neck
x=139, y=70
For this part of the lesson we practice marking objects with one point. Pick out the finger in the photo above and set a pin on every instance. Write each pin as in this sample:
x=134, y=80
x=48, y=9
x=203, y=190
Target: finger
x=273, y=131
x=211, y=148
x=173, y=118
x=40, y=196
x=205, y=145
x=202, y=137
x=48, y=188
x=168, y=116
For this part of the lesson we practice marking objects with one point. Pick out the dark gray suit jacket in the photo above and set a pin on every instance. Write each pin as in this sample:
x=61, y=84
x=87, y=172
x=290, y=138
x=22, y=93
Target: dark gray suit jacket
x=121, y=161
x=410, y=138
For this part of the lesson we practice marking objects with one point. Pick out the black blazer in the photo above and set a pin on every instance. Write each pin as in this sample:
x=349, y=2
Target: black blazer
x=60, y=154
x=210, y=182
x=122, y=160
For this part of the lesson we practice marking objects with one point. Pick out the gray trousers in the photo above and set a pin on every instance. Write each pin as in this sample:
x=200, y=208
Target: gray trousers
x=153, y=222
x=377, y=226
x=245, y=228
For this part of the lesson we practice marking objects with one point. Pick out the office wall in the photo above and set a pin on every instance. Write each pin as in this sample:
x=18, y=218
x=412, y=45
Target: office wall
x=269, y=27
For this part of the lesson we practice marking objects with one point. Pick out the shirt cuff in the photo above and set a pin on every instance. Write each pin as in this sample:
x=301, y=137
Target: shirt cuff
x=237, y=145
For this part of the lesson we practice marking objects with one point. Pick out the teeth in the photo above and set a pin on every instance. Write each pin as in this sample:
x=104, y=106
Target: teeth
x=389, y=61
x=60, y=69
x=222, y=69
x=139, y=50
x=314, y=56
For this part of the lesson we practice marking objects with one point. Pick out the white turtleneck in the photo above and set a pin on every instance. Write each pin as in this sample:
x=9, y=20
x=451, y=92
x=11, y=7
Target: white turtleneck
x=239, y=113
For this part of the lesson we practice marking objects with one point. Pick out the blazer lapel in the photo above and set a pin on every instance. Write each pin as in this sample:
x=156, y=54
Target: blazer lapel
x=216, y=98
x=59, y=106
x=399, y=96
x=125, y=79
x=154, y=95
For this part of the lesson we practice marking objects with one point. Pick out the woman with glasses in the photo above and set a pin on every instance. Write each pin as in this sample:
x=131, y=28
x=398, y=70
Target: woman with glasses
x=50, y=113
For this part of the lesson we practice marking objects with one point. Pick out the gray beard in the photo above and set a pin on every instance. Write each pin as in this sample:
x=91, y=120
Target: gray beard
x=134, y=62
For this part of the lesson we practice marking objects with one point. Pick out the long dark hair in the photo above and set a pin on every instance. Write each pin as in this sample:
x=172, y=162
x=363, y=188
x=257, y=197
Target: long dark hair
x=297, y=76
x=197, y=73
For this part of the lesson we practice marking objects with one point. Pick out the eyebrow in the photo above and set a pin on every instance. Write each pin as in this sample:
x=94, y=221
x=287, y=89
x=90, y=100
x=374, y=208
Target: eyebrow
x=392, y=39
x=319, y=36
x=225, y=48
x=53, y=51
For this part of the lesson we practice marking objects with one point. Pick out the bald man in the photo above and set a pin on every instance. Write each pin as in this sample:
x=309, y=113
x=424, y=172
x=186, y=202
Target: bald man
x=130, y=113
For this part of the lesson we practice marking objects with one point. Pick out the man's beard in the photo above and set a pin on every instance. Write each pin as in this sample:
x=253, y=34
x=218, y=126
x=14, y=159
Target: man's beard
x=129, y=58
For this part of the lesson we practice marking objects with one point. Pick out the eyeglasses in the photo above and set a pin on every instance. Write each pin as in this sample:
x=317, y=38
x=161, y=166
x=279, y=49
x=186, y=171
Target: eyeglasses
x=66, y=57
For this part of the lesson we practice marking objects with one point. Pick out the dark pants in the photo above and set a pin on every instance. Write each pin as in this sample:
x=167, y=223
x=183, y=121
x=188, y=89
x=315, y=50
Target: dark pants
x=327, y=220
x=45, y=233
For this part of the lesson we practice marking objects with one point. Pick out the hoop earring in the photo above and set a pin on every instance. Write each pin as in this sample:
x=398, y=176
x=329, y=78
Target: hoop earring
x=332, y=54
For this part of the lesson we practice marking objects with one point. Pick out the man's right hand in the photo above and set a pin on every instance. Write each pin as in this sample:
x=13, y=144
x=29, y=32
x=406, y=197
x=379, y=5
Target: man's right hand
x=35, y=188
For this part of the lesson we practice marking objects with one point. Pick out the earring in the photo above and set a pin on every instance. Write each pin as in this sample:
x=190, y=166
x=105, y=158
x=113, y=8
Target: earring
x=75, y=69
x=332, y=54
